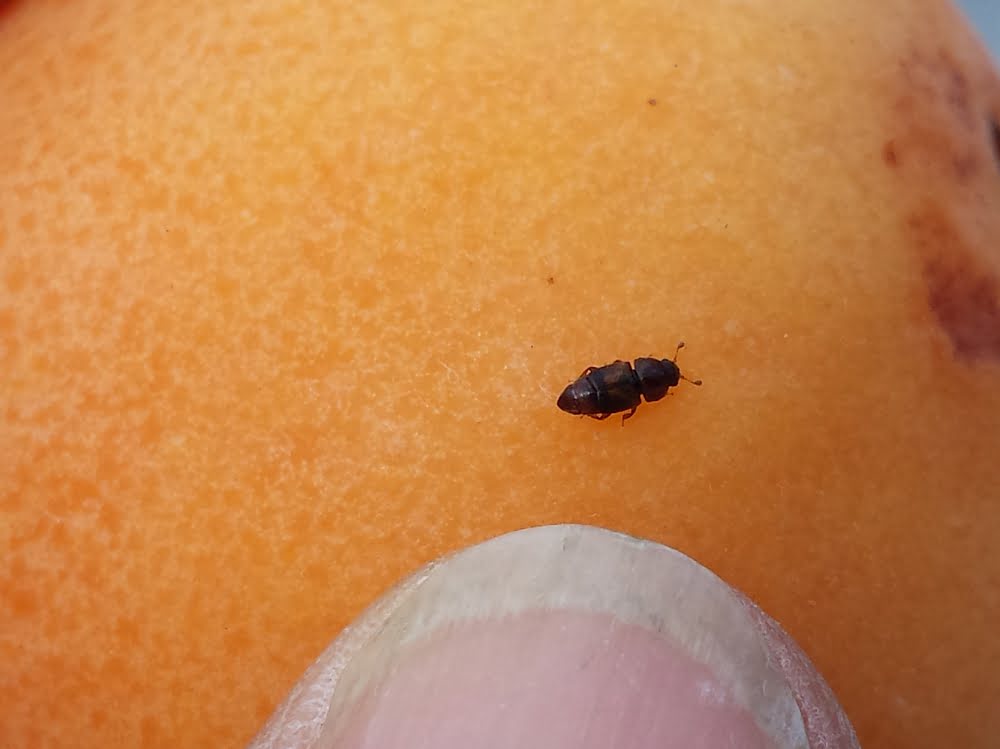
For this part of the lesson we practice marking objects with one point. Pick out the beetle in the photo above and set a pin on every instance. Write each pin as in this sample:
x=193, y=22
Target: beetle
x=601, y=391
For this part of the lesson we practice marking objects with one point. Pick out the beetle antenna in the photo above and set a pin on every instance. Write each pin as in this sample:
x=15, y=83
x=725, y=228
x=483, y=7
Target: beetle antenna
x=679, y=347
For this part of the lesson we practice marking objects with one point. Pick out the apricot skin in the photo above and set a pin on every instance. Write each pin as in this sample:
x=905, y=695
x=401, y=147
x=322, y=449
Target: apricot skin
x=288, y=292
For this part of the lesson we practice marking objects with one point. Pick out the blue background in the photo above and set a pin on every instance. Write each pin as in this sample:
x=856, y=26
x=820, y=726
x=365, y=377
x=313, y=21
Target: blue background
x=985, y=15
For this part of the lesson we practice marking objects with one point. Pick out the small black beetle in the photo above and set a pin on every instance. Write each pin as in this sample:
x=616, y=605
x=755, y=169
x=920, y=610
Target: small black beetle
x=601, y=391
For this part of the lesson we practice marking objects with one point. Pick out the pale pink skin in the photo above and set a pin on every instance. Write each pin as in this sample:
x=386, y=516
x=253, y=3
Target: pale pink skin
x=548, y=679
x=551, y=675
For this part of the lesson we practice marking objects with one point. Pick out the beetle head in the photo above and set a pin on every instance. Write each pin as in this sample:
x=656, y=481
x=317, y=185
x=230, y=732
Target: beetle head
x=578, y=398
x=671, y=372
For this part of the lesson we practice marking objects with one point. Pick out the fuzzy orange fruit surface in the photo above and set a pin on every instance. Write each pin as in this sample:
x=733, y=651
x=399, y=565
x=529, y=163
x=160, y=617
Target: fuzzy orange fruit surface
x=288, y=291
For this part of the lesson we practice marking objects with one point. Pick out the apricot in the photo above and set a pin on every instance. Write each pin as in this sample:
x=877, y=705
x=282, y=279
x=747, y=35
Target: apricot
x=288, y=292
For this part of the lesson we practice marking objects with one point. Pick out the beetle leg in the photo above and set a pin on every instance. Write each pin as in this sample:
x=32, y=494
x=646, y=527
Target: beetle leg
x=629, y=414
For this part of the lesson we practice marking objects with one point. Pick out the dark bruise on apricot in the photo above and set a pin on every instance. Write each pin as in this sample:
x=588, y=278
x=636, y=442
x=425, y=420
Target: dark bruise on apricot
x=944, y=133
x=7, y=8
x=967, y=165
x=930, y=80
x=940, y=106
x=889, y=155
x=963, y=290
x=966, y=304
x=958, y=90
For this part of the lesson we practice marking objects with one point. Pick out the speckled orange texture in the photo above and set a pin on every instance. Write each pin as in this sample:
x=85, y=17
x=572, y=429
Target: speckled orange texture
x=288, y=290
